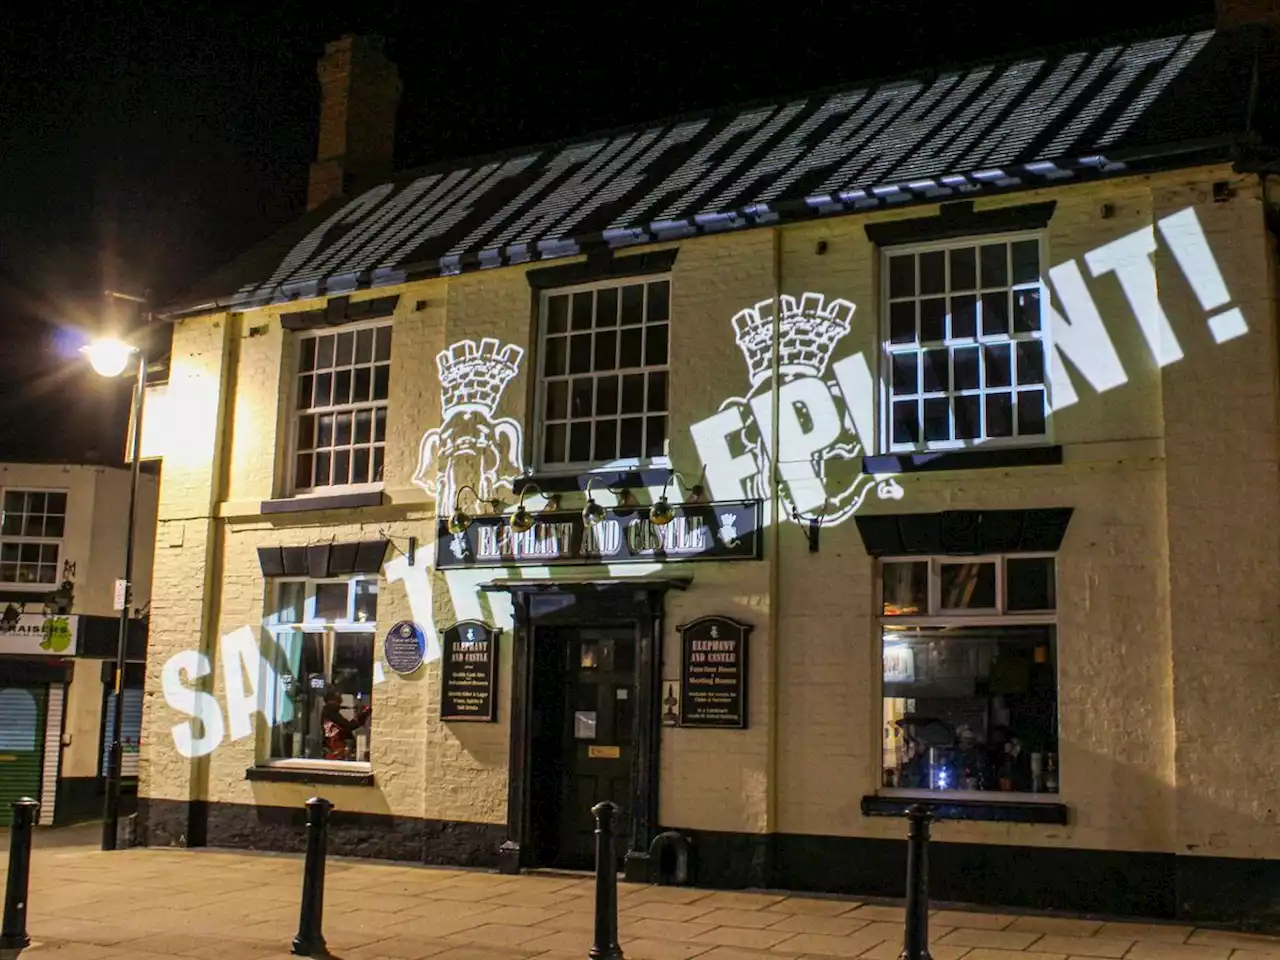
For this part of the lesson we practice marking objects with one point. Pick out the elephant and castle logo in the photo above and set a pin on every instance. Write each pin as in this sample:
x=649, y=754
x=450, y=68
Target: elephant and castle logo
x=825, y=411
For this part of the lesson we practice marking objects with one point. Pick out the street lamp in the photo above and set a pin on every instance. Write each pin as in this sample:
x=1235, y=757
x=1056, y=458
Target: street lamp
x=110, y=358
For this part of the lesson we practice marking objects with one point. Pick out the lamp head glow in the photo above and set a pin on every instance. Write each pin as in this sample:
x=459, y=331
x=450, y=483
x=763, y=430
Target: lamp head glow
x=109, y=356
x=661, y=513
x=522, y=520
x=459, y=521
x=592, y=513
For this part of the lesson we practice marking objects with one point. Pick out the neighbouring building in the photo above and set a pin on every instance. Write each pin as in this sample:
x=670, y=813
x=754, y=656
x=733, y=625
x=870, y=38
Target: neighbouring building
x=952, y=401
x=63, y=529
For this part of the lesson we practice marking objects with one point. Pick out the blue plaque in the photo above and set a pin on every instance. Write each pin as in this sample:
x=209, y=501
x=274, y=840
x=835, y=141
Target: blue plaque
x=405, y=647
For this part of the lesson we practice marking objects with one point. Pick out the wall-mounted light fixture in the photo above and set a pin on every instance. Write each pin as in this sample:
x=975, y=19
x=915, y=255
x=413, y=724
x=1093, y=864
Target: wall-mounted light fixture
x=814, y=527
x=12, y=615
x=522, y=519
x=662, y=513
x=592, y=513
x=460, y=519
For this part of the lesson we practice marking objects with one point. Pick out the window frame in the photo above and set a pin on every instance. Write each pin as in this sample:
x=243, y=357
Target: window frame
x=58, y=542
x=540, y=381
x=884, y=368
x=295, y=413
x=999, y=617
x=275, y=627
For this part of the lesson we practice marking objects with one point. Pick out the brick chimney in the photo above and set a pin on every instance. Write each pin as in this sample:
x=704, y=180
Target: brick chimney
x=359, y=92
x=1237, y=13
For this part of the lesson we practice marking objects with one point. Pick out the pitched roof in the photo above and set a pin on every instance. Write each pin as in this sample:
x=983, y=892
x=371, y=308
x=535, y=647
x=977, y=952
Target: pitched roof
x=1016, y=123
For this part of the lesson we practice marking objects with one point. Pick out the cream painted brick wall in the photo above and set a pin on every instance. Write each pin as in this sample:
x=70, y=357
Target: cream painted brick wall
x=1142, y=642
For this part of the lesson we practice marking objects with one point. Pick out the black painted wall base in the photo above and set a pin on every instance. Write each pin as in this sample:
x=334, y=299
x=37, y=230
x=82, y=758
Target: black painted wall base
x=79, y=800
x=379, y=836
x=1221, y=891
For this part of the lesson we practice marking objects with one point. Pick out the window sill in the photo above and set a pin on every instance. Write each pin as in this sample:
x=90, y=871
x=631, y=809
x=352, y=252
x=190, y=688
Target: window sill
x=313, y=771
x=335, y=501
x=932, y=461
x=969, y=807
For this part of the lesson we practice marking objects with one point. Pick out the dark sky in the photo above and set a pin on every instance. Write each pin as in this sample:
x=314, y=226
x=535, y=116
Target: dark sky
x=144, y=144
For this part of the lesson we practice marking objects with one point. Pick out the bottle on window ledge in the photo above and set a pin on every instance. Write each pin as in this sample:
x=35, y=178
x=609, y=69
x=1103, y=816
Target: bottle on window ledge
x=1051, y=774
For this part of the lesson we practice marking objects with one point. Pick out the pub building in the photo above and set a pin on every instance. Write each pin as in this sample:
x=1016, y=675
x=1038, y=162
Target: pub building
x=764, y=471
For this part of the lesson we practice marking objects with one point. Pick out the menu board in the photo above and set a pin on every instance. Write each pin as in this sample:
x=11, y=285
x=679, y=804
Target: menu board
x=469, y=672
x=713, y=674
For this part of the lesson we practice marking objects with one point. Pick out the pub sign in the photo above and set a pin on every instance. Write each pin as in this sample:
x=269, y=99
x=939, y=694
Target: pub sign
x=713, y=673
x=469, y=672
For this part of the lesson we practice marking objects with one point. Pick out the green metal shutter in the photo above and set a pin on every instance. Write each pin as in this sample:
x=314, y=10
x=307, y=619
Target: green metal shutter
x=22, y=715
x=132, y=729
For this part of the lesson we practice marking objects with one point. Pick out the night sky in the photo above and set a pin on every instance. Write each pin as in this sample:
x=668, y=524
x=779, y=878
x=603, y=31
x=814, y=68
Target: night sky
x=145, y=144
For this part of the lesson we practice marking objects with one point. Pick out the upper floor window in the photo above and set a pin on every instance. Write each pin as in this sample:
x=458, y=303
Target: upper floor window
x=341, y=407
x=965, y=344
x=32, y=523
x=602, y=385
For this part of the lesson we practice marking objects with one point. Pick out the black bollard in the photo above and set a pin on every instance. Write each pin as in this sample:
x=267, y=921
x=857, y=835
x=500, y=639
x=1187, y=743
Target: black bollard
x=916, y=943
x=13, y=936
x=606, y=942
x=310, y=940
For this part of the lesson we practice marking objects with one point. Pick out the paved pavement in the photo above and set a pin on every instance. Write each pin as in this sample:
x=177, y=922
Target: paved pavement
x=164, y=904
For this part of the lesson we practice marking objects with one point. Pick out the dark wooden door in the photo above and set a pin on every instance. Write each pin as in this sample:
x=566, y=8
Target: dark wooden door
x=598, y=745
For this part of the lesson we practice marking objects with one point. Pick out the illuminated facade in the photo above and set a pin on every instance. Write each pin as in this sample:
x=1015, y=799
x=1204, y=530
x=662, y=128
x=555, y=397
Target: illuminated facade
x=965, y=426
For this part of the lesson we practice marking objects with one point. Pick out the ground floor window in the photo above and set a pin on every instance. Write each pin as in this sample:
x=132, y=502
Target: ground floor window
x=970, y=674
x=324, y=633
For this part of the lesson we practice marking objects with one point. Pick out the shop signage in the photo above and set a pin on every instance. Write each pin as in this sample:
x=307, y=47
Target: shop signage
x=34, y=633
x=404, y=647
x=469, y=672
x=713, y=673
x=728, y=530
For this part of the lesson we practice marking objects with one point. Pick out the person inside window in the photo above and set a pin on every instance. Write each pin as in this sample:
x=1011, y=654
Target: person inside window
x=339, y=730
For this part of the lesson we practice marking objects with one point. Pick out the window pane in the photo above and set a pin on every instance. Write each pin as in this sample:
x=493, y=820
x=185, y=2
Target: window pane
x=607, y=307
x=381, y=380
x=967, y=586
x=324, y=430
x=995, y=268
x=361, y=385
x=305, y=392
x=1029, y=583
x=655, y=437
x=995, y=365
x=964, y=269
x=342, y=465
x=906, y=422
x=557, y=314
x=657, y=396
x=377, y=465
x=902, y=322
x=1026, y=261
x=580, y=318
x=366, y=601
x=933, y=320
x=322, y=463
x=632, y=305
x=968, y=417
x=632, y=341
x=380, y=425
x=331, y=601
x=557, y=399
x=655, y=347
x=580, y=398
x=937, y=419
x=302, y=472
x=933, y=272
x=291, y=595
x=631, y=440
x=579, y=442
x=342, y=387
x=902, y=276
x=606, y=350
x=553, y=442
x=606, y=396
x=633, y=393
x=659, y=301
x=12, y=524
x=382, y=344
x=1026, y=311
x=53, y=526
x=1031, y=419
x=1030, y=362
x=964, y=317
x=995, y=314
x=937, y=371
x=360, y=465
x=906, y=588
x=906, y=378
x=323, y=389
x=55, y=503
x=324, y=352
x=327, y=691
x=345, y=349
x=363, y=426
x=364, y=346
x=555, y=356
x=999, y=415
x=580, y=353
x=966, y=368
x=342, y=430
x=606, y=442
x=983, y=708
x=306, y=354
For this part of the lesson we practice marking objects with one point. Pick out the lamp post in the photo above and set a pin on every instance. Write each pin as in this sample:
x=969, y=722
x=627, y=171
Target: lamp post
x=110, y=358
